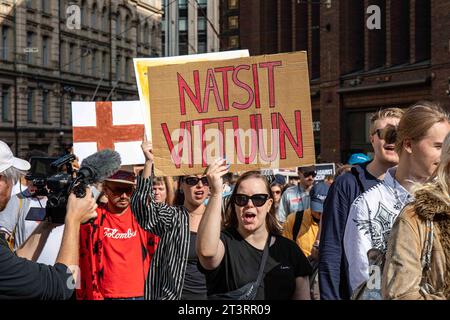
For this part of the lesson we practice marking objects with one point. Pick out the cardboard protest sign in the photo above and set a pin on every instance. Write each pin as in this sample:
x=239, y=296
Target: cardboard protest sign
x=254, y=111
x=141, y=65
x=117, y=125
x=324, y=169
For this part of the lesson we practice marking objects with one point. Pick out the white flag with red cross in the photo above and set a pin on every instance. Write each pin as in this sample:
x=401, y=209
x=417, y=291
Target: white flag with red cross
x=116, y=125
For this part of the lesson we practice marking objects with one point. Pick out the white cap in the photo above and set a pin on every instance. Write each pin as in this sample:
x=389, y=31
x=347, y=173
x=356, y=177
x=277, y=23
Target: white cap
x=7, y=160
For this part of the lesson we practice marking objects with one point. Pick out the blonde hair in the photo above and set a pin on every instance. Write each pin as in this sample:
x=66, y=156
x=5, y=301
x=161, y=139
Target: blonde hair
x=438, y=183
x=384, y=113
x=416, y=122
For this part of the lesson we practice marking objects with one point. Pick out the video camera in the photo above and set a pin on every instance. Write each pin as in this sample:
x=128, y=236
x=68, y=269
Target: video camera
x=57, y=179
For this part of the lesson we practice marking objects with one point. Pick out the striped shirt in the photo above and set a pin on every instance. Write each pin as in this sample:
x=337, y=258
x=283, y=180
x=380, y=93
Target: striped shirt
x=171, y=223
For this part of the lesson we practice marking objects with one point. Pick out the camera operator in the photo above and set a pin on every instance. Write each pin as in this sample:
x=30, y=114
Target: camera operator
x=24, y=279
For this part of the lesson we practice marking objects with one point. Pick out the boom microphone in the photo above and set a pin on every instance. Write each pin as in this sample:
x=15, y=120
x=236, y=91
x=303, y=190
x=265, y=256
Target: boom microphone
x=95, y=168
x=100, y=165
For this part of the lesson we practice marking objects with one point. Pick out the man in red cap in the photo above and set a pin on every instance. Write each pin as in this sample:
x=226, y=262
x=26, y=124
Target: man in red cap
x=115, y=251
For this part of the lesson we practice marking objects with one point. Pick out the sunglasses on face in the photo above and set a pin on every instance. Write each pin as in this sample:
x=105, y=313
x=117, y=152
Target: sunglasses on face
x=379, y=133
x=193, y=181
x=119, y=191
x=276, y=192
x=258, y=200
x=382, y=132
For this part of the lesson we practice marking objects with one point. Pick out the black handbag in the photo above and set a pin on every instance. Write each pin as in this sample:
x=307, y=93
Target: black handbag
x=248, y=291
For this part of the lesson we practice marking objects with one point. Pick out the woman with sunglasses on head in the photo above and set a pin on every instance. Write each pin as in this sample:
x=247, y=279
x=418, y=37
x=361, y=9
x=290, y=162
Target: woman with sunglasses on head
x=173, y=273
x=231, y=259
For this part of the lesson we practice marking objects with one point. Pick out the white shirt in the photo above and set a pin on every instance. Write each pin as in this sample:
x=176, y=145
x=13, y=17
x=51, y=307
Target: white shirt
x=369, y=223
x=13, y=220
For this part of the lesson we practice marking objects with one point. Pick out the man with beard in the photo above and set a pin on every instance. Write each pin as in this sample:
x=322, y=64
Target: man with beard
x=114, y=250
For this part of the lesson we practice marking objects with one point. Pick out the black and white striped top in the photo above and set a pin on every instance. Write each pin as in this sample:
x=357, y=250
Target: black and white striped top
x=171, y=223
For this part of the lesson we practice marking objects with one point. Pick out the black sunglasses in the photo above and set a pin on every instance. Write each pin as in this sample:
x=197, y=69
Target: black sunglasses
x=378, y=132
x=382, y=132
x=258, y=200
x=192, y=181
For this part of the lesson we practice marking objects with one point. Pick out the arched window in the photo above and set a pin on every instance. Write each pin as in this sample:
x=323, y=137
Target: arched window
x=105, y=20
x=138, y=32
x=94, y=16
x=45, y=6
x=118, y=26
x=146, y=33
x=83, y=13
x=127, y=30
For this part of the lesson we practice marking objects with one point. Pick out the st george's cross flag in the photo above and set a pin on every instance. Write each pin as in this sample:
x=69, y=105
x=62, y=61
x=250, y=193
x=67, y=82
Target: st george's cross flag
x=116, y=125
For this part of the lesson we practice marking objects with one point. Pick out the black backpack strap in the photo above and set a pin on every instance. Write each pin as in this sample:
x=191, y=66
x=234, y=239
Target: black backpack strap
x=297, y=224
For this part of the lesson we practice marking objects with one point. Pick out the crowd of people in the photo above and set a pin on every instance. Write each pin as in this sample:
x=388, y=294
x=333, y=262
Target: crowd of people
x=221, y=235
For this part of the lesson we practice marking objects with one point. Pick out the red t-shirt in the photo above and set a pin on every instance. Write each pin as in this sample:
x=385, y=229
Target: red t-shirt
x=123, y=262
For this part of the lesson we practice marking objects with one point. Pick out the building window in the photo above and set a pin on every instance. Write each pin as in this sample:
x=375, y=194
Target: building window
x=71, y=62
x=62, y=106
x=84, y=13
x=45, y=106
x=94, y=17
x=62, y=50
x=201, y=47
x=423, y=30
x=315, y=42
x=377, y=39
x=127, y=69
x=118, y=27
x=233, y=42
x=233, y=22
x=5, y=42
x=30, y=106
x=118, y=68
x=182, y=4
x=94, y=63
x=84, y=54
x=105, y=20
x=29, y=4
x=400, y=42
x=30, y=48
x=202, y=3
x=146, y=33
x=127, y=30
x=138, y=33
x=201, y=24
x=182, y=24
x=6, y=114
x=45, y=50
x=104, y=65
x=354, y=37
x=233, y=4
x=45, y=6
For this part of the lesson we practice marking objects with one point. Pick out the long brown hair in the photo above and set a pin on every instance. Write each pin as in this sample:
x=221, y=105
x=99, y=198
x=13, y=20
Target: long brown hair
x=230, y=220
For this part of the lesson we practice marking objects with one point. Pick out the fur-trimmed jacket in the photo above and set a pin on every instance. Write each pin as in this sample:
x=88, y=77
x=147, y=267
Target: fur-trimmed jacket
x=403, y=268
